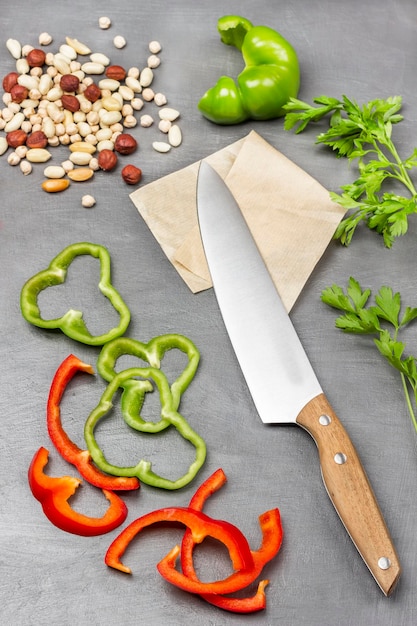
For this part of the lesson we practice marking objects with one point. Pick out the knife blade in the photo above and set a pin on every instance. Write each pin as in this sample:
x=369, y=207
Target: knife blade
x=278, y=373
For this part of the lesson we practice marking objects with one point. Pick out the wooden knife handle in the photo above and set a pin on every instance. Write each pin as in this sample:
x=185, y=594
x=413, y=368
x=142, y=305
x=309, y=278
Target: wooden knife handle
x=349, y=490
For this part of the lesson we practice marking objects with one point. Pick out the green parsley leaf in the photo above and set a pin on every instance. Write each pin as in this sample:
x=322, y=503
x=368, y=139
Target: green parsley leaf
x=363, y=134
x=382, y=319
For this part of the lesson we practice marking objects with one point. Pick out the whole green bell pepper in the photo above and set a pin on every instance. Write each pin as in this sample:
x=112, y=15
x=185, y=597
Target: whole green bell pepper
x=270, y=78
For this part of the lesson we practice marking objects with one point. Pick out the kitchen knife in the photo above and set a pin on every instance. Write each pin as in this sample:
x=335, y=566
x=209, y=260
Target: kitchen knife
x=278, y=373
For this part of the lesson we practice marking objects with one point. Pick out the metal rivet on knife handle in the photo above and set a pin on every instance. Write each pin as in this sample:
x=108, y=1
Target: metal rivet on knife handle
x=351, y=493
x=340, y=458
x=325, y=420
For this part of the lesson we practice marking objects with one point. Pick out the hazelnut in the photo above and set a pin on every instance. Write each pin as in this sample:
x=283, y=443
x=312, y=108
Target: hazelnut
x=19, y=93
x=116, y=72
x=16, y=138
x=36, y=58
x=92, y=93
x=71, y=103
x=125, y=144
x=131, y=174
x=107, y=160
x=10, y=80
x=69, y=82
x=37, y=139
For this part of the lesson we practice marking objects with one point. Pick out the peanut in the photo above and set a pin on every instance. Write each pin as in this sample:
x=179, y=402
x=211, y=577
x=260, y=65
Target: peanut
x=82, y=146
x=80, y=174
x=80, y=48
x=38, y=155
x=80, y=158
x=55, y=185
x=54, y=171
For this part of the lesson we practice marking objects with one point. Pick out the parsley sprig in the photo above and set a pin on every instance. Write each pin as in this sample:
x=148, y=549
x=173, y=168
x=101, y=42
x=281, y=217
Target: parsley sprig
x=384, y=319
x=364, y=134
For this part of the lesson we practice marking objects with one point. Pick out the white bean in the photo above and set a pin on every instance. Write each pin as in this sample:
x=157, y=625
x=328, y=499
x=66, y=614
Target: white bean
x=108, y=118
x=133, y=84
x=98, y=57
x=175, y=136
x=168, y=114
x=80, y=158
x=14, y=47
x=38, y=155
x=92, y=68
x=3, y=145
x=126, y=92
x=15, y=123
x=68, y=51
x=146, y=77
x=161, y=146
x=54, y=171
x=22, y=66
x=30, y=82
x=45, y=84
x=109, y=83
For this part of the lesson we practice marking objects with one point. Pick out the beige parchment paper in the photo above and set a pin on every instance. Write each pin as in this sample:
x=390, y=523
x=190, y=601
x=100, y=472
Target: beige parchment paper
x=289, y=213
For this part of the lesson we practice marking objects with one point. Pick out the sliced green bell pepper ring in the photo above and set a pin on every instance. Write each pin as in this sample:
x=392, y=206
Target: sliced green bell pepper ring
x=134, y=391
x=152, y=352
x=53, y=494
x=270, y=78
x=67, y=448
x=200, y=525
x=143, y=470
x=272, y=538
x=72, y=323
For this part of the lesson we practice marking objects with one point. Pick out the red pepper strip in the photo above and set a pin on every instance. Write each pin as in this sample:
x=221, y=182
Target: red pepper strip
x=200, y=525
x=67, y=448
x=53, y=494
x=271, y=541
x=236, y=605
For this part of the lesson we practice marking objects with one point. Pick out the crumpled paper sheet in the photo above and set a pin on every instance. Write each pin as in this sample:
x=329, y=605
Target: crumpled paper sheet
x=289, y=213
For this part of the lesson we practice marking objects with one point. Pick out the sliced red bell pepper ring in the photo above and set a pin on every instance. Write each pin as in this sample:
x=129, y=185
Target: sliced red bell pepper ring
x=200, y=525
x=272, y=539
x=53, y=494
x=72, y=323
x=153, y=353
x=271, y=528
x=235, y=582
x=81, y=459
x=143, y=469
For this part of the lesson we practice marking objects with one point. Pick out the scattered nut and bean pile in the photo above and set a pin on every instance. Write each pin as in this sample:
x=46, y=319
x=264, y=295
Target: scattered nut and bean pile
x=77, y=98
